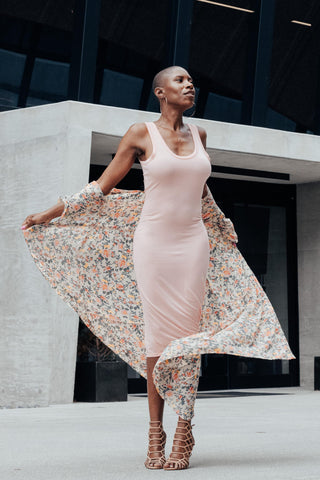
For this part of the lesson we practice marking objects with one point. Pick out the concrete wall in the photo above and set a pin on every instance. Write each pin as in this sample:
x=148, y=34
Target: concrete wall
x=41, y=158
x=308, y=219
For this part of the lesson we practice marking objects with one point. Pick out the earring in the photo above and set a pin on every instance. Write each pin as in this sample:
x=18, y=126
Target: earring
x=164, y=98
x=194, y=111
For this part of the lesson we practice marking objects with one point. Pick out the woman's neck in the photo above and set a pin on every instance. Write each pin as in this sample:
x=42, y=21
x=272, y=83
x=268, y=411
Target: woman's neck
x=170, y=119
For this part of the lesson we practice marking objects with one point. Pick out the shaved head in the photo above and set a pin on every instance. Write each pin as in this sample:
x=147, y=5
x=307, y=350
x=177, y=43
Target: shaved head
x=160, y=77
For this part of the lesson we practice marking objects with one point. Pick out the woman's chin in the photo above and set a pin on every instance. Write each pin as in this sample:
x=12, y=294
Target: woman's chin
x=187, y=107
x=185, y=104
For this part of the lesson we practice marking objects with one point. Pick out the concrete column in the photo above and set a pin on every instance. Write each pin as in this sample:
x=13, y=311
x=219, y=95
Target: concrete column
x=41, y=158
x=308, y=221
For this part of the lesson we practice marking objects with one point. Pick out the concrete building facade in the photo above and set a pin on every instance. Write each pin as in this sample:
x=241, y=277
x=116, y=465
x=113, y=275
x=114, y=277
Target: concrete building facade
x=46, y=151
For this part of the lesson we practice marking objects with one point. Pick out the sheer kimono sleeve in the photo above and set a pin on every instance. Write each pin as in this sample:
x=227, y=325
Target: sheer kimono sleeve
x=90, y=197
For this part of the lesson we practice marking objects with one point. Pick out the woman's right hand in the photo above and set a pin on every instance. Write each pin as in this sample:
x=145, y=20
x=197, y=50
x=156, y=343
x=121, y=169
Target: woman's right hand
x=34, y=219
x=43, y=217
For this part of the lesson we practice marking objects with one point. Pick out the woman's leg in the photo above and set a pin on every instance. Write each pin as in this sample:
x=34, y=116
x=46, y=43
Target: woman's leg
x=157, y=437
x=183, y=443
x=156, y=403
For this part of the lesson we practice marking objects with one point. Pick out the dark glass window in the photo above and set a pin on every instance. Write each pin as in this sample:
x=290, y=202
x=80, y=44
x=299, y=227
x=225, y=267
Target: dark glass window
x=36, y=42
x=49, y=82
x=120, y=90
x=131, y=51
x=218, y=53
x=294, y=84
x=12, y=67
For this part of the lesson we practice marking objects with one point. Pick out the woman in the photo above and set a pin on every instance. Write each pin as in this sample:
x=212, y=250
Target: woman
x=171, y=258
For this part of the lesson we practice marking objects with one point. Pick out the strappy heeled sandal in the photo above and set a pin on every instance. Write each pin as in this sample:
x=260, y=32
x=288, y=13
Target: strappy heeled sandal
x=180, y=454
x=157, y=440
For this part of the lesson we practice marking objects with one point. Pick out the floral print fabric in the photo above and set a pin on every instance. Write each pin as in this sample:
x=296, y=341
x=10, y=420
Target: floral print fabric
x=86, y=255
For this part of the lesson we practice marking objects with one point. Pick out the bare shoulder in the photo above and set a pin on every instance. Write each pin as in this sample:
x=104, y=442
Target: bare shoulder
x=137, y=129
x=135, y=136
x=203, y=135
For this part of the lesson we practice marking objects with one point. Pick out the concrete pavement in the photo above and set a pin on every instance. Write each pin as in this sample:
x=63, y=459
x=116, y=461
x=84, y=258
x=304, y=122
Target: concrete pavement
x=258, y=434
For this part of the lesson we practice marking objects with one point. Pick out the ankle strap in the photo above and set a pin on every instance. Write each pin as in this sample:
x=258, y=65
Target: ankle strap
x=185, y=425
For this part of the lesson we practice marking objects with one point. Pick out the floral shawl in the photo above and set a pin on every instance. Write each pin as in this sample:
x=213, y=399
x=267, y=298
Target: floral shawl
x=86, y=255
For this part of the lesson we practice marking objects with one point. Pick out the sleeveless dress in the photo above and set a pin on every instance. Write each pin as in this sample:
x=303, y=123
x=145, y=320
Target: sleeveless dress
x=170, y=245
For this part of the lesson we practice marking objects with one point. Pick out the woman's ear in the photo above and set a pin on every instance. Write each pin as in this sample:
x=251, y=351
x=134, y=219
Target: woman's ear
x=159, y=93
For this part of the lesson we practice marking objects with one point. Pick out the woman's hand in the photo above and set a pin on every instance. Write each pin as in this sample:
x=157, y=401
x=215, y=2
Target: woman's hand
x=43, y=217
x=34, y=219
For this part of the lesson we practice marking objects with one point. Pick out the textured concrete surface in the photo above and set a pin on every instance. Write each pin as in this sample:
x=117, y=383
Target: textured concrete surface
x=248, y=437
x=308, y=226
x=40, y=159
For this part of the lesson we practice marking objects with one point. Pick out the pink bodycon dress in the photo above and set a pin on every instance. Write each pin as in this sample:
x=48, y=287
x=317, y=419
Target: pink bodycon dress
x=170, y=245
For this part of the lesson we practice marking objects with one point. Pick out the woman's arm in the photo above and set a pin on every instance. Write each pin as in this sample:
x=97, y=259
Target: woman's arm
x=43, y=217
x=205, y=191
x=132, y=144
x=203, y=136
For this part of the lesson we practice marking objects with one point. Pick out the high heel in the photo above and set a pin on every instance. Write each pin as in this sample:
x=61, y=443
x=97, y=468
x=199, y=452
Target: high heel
x=157, y=440
x=181, y=453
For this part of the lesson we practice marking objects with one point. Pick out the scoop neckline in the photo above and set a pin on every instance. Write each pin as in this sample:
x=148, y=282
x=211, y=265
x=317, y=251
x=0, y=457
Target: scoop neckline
x=169, y=149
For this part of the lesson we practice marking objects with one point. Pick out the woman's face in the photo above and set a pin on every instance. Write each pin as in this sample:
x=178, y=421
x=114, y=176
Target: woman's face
x=178, y=88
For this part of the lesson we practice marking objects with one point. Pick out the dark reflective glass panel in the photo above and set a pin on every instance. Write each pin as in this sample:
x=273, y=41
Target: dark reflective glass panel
x=36, y=46
x=11, y=72
x=131, y=51
x=218, y=56
x=295, y=68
